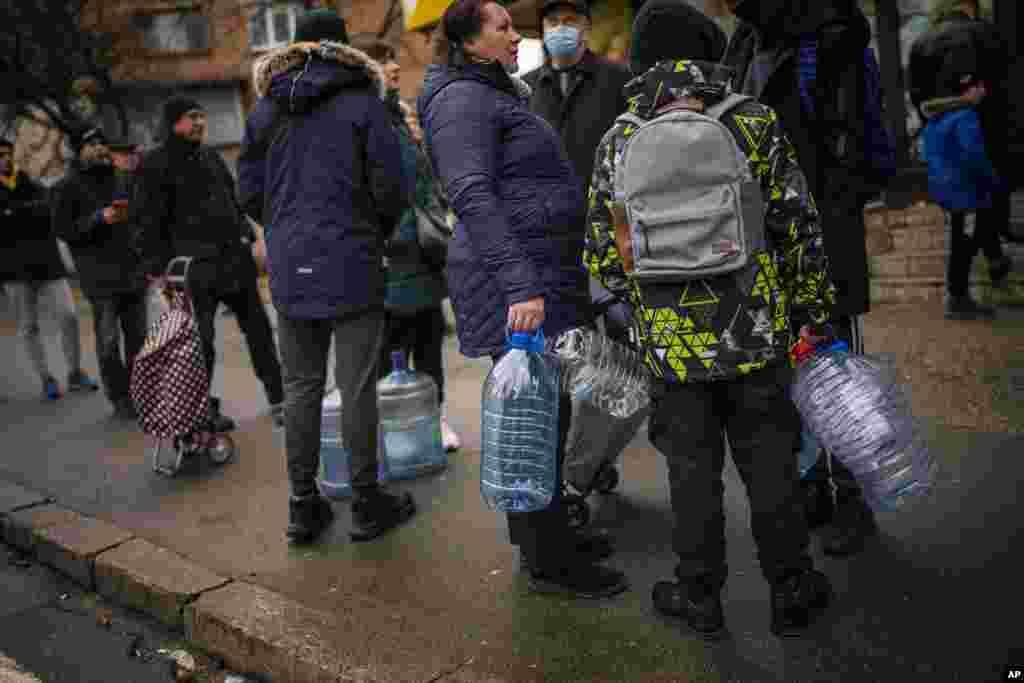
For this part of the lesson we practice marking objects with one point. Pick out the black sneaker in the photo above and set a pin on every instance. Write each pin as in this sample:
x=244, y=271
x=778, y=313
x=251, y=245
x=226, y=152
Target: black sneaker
x=307, y=519
x=589, y=548
x=999, y=272
x=797, y=601
x=966, y=308
x=375, y=511
x=699, y=604
x=217, y=421
x=124, y=409
x=578, y=580
x=853, y=524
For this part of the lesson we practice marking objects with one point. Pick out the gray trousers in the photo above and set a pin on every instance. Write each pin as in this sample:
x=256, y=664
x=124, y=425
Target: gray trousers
x=304, y=347
x=55, y=295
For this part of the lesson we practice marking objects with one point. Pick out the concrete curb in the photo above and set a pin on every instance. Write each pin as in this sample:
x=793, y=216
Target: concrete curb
x=249, y=627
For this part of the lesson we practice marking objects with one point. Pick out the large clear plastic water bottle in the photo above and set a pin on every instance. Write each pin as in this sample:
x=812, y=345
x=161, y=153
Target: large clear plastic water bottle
x=856, y=407
x=610, y=375
x=520, y=427
x=410, y=418
x=334, y=478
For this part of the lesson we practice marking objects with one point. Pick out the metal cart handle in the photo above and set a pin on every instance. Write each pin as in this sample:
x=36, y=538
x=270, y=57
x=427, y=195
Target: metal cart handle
x=174, y=278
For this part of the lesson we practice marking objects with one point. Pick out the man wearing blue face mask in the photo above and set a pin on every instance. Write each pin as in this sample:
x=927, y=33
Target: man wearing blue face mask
x=580, y=94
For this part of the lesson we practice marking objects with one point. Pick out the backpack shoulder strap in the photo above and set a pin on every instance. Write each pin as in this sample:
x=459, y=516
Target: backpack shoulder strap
x=727, y=105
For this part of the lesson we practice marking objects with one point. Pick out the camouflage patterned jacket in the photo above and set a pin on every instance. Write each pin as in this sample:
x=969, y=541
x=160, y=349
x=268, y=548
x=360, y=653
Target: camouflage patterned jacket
x=726, y=326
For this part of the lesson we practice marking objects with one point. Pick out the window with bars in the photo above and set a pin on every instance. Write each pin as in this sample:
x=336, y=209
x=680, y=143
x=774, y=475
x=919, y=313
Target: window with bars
x=182, y=31
x=273, y=25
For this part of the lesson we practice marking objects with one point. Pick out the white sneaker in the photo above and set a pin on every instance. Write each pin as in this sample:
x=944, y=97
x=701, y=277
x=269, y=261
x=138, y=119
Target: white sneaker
x=449, y=439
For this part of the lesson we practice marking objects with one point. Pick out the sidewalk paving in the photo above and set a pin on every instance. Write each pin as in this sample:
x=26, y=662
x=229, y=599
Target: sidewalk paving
x=936, y=598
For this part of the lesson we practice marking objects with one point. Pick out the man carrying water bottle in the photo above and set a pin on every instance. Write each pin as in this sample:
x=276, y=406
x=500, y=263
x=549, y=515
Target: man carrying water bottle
x=719, y=341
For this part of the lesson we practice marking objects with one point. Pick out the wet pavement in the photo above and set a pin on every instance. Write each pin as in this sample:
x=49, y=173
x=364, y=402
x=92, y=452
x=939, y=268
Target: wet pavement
x=935, y=598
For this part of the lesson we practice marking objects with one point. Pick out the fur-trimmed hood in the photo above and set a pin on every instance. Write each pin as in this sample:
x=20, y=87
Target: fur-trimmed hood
x=302, y=74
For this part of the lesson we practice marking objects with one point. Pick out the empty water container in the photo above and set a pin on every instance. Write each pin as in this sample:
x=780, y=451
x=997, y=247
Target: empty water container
x=858, y=410
x=519, y=423
x=611, y=376
x=334, y=478
x=410, y=419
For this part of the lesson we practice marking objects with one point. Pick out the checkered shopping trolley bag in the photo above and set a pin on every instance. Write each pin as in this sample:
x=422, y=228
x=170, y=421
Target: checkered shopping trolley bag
x=170, y=384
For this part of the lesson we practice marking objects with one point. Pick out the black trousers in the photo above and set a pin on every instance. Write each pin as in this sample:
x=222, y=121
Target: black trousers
x=114, y=315
x=963, y=248
x=421, y=336
x=689, y=426
x=246, y=305
x=543, y=536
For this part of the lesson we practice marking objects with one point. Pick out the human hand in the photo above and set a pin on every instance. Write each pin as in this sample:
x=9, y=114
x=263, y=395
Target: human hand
x=526, y=316
x=116, y=213
x=814, y=335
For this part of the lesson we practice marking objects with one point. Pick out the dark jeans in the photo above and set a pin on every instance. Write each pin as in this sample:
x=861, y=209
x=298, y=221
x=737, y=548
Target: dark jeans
x=113, y=316
x=963, y=248
x=248, y=309
x=305, y=345
x=421, y=336
x=762, y=425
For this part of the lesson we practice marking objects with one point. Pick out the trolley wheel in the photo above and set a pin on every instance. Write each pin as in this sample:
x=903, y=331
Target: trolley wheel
x=608, y=479
x=177, y=449
x=221, y=449
x=578, y=511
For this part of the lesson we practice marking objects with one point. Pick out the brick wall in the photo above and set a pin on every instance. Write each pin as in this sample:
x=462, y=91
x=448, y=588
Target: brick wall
x=907, y=251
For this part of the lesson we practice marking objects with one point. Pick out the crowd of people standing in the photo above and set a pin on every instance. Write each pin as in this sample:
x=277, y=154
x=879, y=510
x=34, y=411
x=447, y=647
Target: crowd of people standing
x=336, y=174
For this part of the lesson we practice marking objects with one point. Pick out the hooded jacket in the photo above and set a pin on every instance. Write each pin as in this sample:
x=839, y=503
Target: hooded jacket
x=960, y=174
x=28, y=250
x=184, y=204
x=831, y=138
x=321, y=168
x=104, y=266
x=959, y=46
x=518, y=201
x=723, y=327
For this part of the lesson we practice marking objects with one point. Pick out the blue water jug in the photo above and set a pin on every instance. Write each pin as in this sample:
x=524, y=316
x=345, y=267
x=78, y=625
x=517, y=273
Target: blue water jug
x=410, y=419
x=334, y=478
x=520, y=427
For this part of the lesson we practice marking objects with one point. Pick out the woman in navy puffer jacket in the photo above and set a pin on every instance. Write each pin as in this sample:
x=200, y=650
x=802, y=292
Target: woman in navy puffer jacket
x=515, y=261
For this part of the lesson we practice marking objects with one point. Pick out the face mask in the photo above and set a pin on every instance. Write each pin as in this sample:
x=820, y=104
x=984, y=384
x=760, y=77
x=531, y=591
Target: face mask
x=562, y=42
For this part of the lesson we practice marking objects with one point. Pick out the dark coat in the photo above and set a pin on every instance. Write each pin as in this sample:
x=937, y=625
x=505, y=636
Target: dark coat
x=960, y=46
x=582, y=118
x=184, y=204
x=332, y=180
x=518, y=200
x=763, y=51
x=105, y=266
x=28, y=249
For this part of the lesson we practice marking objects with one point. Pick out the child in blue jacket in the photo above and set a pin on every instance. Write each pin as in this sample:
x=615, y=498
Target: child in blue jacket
x=962, y=179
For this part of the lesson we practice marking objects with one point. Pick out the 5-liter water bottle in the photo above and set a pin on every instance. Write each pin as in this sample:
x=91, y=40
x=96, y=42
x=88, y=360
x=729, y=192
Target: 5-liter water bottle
x=610, y=375
x=857, y=408
x=410, y=418
x=334, y=478
x=520, y=427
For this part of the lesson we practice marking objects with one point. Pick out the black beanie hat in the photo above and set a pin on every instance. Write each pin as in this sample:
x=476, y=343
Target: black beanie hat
x=671, y=29
x=175, y=108
x=321, y=24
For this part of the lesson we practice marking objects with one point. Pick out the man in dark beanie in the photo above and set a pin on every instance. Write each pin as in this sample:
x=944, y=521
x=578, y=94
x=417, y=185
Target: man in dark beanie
x=719, y=345
x=91, y=214
x=321, y=170
x=809, y=60
x=185, y=205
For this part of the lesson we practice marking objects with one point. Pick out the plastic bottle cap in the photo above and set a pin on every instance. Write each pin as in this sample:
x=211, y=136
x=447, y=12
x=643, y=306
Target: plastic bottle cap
x=526, y=341
x=398, y=360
